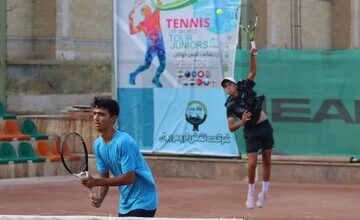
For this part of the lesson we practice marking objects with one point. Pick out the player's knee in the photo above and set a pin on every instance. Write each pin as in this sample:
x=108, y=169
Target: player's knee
x=266, y=162
x=147, y=65
x=161, y=68
x=252, y=164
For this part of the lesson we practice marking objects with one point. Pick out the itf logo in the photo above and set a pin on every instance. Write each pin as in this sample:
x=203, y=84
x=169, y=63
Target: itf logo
x=195, y=113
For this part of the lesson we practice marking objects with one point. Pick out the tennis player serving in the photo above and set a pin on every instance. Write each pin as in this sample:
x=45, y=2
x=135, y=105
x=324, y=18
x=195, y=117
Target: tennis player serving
x=244, y=109
x=117, y=152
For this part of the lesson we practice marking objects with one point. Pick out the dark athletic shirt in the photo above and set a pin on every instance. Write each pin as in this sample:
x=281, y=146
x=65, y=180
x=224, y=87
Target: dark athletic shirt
x=247, y=100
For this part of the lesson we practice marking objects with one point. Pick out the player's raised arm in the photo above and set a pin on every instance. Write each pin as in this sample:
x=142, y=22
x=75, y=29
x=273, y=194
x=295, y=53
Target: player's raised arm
x=133, y=29
x=252, y=72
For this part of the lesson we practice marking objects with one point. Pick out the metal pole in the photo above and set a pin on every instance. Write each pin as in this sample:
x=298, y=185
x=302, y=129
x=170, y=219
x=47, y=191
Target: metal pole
x=3, y=14
x=114, y=64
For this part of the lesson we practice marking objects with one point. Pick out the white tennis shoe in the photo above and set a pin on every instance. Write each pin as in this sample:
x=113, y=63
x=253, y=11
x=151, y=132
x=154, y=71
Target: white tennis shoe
x=250, y=201
x=261, y=199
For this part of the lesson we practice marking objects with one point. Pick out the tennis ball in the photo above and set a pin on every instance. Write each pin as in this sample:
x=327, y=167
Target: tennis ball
x=97, y=205
x=219, y=11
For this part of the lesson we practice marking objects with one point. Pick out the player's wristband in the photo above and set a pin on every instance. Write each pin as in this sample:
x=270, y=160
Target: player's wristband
x=253, y=44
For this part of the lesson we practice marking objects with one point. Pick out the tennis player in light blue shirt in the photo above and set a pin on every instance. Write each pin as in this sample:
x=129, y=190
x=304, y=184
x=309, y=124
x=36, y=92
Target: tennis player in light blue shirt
x=117, y=152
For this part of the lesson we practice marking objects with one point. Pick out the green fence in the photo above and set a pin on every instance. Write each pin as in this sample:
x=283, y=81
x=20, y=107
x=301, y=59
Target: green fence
x=312, y=99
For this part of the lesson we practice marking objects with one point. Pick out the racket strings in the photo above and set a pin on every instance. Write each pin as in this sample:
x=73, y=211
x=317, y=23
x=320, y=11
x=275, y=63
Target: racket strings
x=74, y=154
x=83, y=167
x=248, y=17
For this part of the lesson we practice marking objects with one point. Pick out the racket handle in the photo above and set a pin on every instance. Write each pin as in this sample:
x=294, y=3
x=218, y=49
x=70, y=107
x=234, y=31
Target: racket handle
x=253, y=47
x=93, y=193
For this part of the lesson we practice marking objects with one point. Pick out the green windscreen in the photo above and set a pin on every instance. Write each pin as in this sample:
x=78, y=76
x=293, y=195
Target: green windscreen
x=312, y=99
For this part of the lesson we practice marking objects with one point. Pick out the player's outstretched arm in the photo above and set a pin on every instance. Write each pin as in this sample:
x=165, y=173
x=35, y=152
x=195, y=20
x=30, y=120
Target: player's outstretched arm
x=252, y=72
x=125, y=179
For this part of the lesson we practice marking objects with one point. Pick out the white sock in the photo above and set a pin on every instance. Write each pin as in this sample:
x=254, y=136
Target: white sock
x=265, y=186
x=251, y=189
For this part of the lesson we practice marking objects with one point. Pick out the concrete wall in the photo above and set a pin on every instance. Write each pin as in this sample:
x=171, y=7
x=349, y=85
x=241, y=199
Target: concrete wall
x=59, y=29
x=355, y=24
x=316, y=20
x=84, y=34
x=341, y=24
x=292, y=171
x=324, y=24
x=278, y=24
x=3, y=18
x=31, y=27
x=42, y=104
x=48, y=87
x=312, y=25
x=261, y=32
x=82, y=29
x=221, y=169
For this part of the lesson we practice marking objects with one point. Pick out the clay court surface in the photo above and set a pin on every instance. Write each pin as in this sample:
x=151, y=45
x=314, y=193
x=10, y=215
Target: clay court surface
x=184, y=198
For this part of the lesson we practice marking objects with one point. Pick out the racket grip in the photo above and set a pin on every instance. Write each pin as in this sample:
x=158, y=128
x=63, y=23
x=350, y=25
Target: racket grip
x=253, y=47
x=93, y=193
x=253, y=44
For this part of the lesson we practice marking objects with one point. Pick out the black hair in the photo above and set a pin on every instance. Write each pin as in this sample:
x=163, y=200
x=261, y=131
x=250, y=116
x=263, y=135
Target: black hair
x=108, y=104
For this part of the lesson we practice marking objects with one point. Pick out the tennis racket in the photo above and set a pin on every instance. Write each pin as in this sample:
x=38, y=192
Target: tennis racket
x=137, y=4
x=248, y=19
x=172, y=4
x=75, y=143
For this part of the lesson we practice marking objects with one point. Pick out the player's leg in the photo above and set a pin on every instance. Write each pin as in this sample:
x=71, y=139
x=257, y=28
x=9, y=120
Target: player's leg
x=252, y=162
x=266, y=160
x=161, y=54
x=267, y=143
x=148, y=59
x=252, y=147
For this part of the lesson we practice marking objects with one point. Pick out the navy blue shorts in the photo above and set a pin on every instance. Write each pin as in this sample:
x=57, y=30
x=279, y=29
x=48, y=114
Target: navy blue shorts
x=259, y=137
x=139, y=213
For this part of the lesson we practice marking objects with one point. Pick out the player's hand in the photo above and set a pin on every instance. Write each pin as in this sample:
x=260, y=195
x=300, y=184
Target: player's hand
x=89, y=181
x=160, y=2
x=253, y=51
x=131, y=15
x=245, y=117
x=95, y=200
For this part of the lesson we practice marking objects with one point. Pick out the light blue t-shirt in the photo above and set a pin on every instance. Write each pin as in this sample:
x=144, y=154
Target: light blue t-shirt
x=121, y=155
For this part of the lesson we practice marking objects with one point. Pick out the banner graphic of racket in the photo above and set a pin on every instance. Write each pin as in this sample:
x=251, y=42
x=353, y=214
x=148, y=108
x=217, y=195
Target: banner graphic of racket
x=137, y=4
x=73, y=142
x=172, y=4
